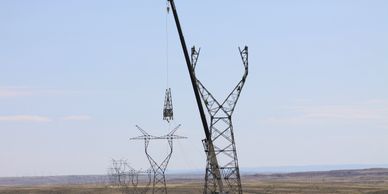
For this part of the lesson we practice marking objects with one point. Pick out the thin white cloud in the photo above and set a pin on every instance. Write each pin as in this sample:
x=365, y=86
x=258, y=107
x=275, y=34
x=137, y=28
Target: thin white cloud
x=284, y=120
x=77, y=118
x=14, y=92
x=42, y=119
x=9, y=92
x=374, y=111
x=342, y=112
x=24, y=118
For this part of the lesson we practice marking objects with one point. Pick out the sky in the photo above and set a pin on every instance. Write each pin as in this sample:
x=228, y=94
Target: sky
x=77, y=76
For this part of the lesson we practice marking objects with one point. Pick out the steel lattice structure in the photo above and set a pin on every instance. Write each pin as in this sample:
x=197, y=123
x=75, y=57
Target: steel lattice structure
x=168, y=113
x=141, y=189
x=222, y=136
x=159, y=169
x=126, y=178
x=120, y=173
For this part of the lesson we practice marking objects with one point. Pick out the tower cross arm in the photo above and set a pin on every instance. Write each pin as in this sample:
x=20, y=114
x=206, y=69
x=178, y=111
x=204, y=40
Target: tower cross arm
x=145, y=135
x=172, y=135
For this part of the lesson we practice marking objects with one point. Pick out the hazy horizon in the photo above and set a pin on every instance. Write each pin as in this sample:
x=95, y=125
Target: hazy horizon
x=248, y=170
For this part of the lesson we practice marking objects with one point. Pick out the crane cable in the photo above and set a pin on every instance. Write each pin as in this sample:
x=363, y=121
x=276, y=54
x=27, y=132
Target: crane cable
x=167, y=53
x=188, y=162
x=167, y=46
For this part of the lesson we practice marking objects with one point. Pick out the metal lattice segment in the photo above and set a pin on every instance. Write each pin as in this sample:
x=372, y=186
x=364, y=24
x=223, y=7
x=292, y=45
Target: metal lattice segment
x=146, y=176
x=168, y=113
x=159, y=169
x=194, y=56
x=222, y=136
x=145, y=135
x=126, y=178
x=119, y=173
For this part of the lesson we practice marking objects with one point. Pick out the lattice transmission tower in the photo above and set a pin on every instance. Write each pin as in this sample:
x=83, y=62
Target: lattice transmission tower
x=119, y=173
x=126, y=178
x=145, y=176
x=222, y=135
x=159, y=169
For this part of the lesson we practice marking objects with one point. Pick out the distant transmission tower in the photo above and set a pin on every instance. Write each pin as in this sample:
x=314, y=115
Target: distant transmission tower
x=159, y=169
x=126, y=178
x=120, y=175
x=222, y=136
x=143, y=174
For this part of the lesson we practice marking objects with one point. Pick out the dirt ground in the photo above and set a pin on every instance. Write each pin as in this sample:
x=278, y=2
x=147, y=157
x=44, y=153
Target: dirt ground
x=369, y=181
x=289, y=187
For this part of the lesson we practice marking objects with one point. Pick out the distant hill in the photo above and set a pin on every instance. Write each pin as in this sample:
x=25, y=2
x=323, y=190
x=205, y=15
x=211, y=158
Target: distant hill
x=308, y=168
x=373, y=174
x=54, y=180
x=363, y=175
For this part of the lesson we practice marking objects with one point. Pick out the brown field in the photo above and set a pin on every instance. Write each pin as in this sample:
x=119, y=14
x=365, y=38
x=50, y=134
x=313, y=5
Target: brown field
x=371, y=181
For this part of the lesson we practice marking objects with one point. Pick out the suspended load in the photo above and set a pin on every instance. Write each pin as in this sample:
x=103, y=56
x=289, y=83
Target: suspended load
x=168, y=114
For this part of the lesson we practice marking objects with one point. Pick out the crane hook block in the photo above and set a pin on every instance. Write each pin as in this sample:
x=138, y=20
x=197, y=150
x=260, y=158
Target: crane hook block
x=168, y=7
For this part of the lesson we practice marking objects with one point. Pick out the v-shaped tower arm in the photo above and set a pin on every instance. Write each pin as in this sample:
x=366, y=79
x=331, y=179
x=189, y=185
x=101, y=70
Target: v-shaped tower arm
x=174, y=130
x=194, y=57
x=212, y=105
x=230, y=102
x=210, y=102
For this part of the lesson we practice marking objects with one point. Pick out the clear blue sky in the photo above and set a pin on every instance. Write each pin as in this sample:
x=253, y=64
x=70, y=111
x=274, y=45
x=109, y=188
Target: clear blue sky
x=76, y=76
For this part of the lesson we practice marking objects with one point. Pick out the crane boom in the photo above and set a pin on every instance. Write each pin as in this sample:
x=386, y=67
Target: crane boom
x=191, y=71
x=211, y=152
